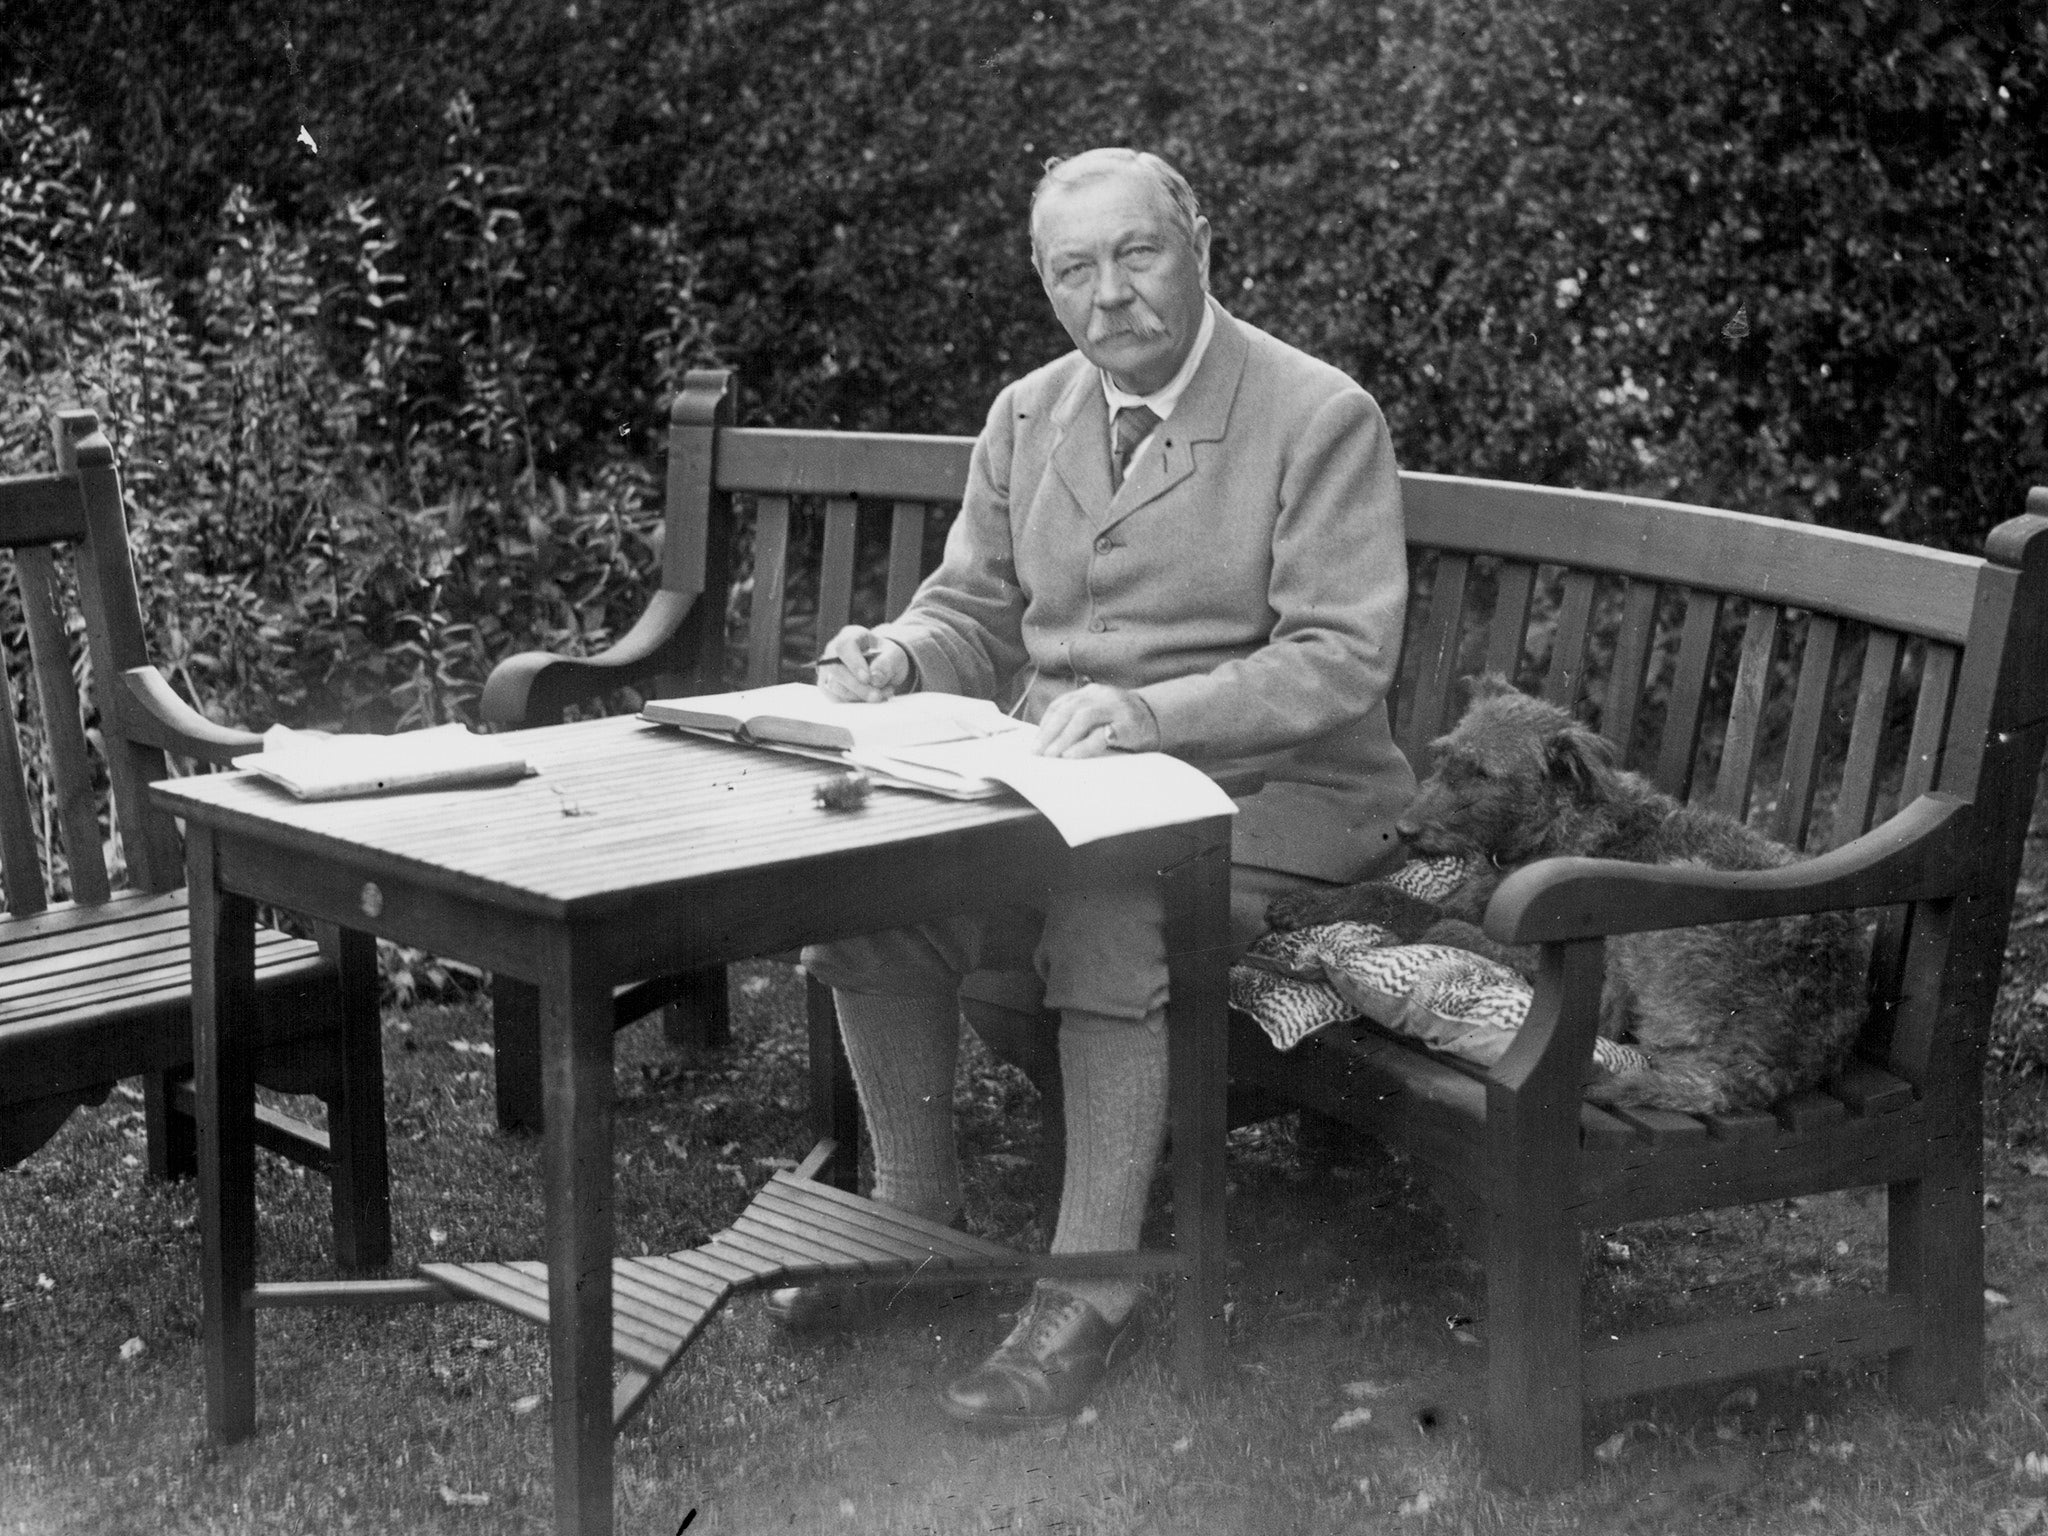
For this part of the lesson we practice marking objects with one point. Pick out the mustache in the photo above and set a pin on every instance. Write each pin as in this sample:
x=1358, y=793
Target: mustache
x=1145, y=327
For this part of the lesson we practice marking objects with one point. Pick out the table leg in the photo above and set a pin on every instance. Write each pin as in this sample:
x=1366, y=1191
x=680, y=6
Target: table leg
x=1197, y=892
x=224, y=1084
x=576, y=1164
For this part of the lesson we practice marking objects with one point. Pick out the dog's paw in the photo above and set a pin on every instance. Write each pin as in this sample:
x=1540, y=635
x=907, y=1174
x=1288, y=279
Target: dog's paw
x=1307, y=908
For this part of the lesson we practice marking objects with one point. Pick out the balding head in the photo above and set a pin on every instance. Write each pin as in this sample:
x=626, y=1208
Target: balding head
x=1093, y=164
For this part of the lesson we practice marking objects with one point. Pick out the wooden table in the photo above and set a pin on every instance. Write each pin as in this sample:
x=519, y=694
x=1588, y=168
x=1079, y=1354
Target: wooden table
x=635, y=852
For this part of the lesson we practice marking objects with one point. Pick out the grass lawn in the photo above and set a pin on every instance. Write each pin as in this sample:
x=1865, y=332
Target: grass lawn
x=1351, y=1406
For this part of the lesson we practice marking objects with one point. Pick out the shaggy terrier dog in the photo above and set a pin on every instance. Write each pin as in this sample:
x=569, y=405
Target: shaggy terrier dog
x=1732, y=1017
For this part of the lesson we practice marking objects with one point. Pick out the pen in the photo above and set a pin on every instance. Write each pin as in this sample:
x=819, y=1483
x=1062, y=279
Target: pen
x=870, y=648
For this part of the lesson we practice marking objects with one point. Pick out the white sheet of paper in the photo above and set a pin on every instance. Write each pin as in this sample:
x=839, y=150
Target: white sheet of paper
x=1085, y=798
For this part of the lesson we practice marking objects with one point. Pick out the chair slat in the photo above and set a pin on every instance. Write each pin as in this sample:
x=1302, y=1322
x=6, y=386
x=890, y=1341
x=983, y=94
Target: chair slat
x=1631, y=662
x=835, y=569
x=1802, y=738
x=1568, y=645
x=1856, y=797
x=1514, y=590
x=1680, y=743
x=63, y=725
x=21, y=865
x=1745, y=711
x=1437, y=657
x=906, y=557
x=1930, y=718
x=771, y=591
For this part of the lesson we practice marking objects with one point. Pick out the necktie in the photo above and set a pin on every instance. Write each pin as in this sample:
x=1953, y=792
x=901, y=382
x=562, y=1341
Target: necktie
x=1134, y=423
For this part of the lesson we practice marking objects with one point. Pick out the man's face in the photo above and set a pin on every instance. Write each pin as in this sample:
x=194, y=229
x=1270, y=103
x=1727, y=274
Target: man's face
x=1123, y=279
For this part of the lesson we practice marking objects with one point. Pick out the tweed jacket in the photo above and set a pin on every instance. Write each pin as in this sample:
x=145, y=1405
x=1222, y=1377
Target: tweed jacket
x=1247, y=581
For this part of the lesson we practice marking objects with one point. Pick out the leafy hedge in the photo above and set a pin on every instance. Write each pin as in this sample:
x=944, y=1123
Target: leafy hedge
x=392, y=386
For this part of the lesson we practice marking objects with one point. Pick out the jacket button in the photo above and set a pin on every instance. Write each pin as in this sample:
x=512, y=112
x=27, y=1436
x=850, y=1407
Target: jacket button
x=1104, y=545
x=1099, y=625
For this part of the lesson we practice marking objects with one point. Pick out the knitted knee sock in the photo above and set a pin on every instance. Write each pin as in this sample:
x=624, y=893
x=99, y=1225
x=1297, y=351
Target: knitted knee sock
x=902, y=1050
x=1115, y=1074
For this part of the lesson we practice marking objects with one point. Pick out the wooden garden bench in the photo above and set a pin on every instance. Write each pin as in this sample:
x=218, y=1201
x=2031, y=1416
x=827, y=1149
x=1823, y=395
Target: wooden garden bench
x=95, y=986
x=1879, y=705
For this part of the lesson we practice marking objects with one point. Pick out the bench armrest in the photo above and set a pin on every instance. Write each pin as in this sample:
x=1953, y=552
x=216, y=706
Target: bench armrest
x=156, y=715
x=533, y=687
x=1571, y=906
x=1921, y=852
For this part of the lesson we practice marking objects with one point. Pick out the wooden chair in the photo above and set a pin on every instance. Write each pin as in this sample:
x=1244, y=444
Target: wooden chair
x=96, y=986
x=1881, y=706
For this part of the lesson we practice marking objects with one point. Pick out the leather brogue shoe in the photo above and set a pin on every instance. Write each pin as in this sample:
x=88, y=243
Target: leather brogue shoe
x=1045, y=1370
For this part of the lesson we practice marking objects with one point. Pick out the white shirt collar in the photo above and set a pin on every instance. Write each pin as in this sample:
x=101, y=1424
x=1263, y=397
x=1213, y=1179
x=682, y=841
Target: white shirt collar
x=1162, y=401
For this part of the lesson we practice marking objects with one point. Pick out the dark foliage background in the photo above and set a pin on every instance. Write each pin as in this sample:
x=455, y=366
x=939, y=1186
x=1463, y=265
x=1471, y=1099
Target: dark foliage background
x=389, y=388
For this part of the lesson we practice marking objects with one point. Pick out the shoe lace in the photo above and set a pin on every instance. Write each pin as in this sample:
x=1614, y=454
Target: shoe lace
x=1045, y=1315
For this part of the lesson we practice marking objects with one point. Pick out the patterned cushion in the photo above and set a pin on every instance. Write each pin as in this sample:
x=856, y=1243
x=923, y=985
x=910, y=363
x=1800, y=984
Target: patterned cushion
x=1447, y=999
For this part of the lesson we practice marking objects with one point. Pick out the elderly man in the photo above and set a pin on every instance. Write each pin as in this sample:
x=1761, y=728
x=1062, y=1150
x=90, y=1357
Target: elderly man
x=1185, y=535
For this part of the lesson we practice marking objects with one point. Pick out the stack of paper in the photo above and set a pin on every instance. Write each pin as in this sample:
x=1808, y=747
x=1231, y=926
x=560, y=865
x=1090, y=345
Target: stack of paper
x=315, y=765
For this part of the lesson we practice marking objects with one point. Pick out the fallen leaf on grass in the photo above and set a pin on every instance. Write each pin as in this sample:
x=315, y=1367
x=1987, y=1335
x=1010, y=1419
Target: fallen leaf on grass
x=1183, y=1445
x=1611, y=1449
x=1421, y=1504
x=2034, y=1164
x=2033, y=1467
x=1358, y=1391
x=525, y=1405
x=2018, y=1517
x=1086, y=1418
x=132, y=1348
x=846, y=1508
x=1352, y=1418
x=472, y=1048
x=1995, y=1298
x=468, y=1500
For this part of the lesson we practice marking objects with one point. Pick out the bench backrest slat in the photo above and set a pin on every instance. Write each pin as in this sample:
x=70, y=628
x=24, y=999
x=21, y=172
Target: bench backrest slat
x=71, y=777
x=1737, y=772
x=1685, y=711
x=1567, y=669
x=1632, y=641
x=906, y=557
x=1802, y=738
x=765, y=613
x=21, y=867
x=835, y=568
x=1856, y=799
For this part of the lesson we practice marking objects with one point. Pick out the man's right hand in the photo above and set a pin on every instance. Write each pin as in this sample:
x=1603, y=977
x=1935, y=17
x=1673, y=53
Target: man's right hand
x=860, y=666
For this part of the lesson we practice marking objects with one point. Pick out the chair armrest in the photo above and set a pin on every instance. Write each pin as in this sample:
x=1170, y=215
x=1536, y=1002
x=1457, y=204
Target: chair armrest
x=1924, y=851
x=533, y=687
x=156, y=715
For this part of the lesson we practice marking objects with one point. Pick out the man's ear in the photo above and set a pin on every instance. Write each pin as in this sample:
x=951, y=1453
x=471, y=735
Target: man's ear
x=1581, y=759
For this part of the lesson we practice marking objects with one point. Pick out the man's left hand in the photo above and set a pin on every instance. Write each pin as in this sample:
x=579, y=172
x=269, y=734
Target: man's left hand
x=1095, y=719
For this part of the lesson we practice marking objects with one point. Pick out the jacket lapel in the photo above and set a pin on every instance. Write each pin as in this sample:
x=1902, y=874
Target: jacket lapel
x=1080, y=454
x=1201, y=416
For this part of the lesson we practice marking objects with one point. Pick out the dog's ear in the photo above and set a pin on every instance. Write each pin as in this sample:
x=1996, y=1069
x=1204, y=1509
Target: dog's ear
x=1581, y=759
x=1487, y=685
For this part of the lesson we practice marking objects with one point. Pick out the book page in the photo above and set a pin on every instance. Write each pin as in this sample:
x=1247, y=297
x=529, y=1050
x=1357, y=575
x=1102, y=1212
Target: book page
x=1085, y=798
x=805, y=714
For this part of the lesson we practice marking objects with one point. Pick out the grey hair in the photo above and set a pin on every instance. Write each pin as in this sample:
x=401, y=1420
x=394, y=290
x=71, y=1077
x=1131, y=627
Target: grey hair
x=1073, y=170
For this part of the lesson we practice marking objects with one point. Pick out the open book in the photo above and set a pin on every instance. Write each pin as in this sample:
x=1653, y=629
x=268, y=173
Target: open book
x=803, y=715
x=315, y=765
